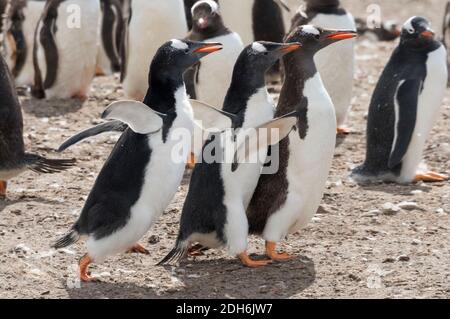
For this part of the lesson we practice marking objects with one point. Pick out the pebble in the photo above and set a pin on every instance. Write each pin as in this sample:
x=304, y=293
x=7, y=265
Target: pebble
x=390, y=209
x=153, y=239
x=416, y=192
x=409, y=206
x=416, y=242
x=403, y=258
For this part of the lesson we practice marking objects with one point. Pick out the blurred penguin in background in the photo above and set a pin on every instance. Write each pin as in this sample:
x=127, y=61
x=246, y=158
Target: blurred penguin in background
x=446, y=33
x=151, y=23
x=208, y=80
x=111, y=31
x=19, y=21
x=336, y=64
x=388, y=30
x=65, y=49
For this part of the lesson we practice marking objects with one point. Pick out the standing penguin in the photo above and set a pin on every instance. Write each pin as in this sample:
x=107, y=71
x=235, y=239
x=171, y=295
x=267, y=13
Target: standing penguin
x=143, y=172
x=404, y=108
x=20, y=23
x=209, y=80
x=65, y=49
x=151, y=23
x=336, y=63
x=446, y=32
x=111, y=32
x=214, y=211
x=388, y=30
x=286, y=201
x=13, y=158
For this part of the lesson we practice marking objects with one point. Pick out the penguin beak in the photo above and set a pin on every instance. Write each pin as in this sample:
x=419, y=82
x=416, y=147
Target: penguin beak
x=290, y=47
x=209, y=48
x=428, y=33
x=340, y=35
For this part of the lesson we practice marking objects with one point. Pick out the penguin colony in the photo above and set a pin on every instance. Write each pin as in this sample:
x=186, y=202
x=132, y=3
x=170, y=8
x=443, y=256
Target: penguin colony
x=207, y=67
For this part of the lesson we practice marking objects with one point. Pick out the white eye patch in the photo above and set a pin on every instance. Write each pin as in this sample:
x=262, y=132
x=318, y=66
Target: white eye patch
x=214, y=6
x=408, y=26
x=310, y=29
x=258, y=47
x=179, y=45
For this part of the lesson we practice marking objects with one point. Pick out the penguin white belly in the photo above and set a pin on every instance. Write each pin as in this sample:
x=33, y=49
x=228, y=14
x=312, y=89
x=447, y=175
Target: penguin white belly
x=238, y=16
x=308, y=166
x=429, y=104
x=153, y=23
x=216, y=70
x=32, y=13
x=336, y=64
x=103, y=62
x=77, y=49
x=163, y=176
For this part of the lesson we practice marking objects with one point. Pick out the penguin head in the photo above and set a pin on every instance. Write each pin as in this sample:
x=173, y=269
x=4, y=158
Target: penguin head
x=314, y=38
x=391, y=30
x=176, y=56
x=417, y=32
x=206, y=16
x=262, y=55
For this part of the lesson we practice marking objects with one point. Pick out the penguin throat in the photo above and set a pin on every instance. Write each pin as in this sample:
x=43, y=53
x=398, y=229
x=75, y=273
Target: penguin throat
x=161, y=92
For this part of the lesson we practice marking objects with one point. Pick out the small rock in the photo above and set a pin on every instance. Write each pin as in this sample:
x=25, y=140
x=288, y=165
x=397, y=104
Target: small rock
x=264, y=289
x=153, y=240
x=416, y=242
x=416, y=192
x=409, y=206
x=372, y=213
x=390, y=209
x=388, y=260
x=403, y=258
x=440, y=211
x=16, y=212
x=354, y=277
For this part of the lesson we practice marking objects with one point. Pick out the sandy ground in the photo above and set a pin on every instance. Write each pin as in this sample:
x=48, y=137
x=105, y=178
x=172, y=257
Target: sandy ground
x=351, y=249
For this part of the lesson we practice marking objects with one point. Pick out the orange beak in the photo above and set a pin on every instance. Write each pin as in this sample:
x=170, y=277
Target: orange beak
x=342, y=35
x=428, y=34
x=290, y=48
x=209, y=48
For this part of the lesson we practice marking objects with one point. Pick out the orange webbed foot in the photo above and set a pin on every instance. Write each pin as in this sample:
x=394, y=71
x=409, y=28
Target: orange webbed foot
x=3, y=186
x=139, y=249
x=85, y=276
x=430, y=177
x=343, y=130
x=191, y=161
x=274, y=255
x=247, y=261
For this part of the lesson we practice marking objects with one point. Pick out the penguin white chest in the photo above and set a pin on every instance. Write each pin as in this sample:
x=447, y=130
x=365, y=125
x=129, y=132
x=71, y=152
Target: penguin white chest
x=216, y=70
x=336, y=63
x=308, y=165
x=153, y=22
x=76, y=40
x=429, y=104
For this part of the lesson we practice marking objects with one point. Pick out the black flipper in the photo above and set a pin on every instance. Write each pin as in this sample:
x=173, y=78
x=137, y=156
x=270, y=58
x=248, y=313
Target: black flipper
x=406, y=101
x=112, y=126
x=191, y=79
x=39, y=164
x=17, y=33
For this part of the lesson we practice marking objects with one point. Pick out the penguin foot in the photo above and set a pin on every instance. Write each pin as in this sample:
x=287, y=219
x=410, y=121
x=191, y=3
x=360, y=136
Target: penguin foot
x=430, y=177
x=139, y=249
x=3, y=185
x=85, y=276
x=196, y=251
x=247, y=261
x=191, y=161
x=274, y=255
x=343, y=130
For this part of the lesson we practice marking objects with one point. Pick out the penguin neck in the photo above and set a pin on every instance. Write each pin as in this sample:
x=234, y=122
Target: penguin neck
x=161, y=94
x=245, y=82
x=299, y=68
x=420, y=48
x=208, y=33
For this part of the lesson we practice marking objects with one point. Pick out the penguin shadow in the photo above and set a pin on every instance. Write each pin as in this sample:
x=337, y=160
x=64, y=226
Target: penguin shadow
x=394, y=188
x=4, y=203
x=52, y=107
x=215, y=279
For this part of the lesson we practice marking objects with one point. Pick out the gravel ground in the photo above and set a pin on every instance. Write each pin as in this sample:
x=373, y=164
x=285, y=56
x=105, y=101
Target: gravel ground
x=354, y=247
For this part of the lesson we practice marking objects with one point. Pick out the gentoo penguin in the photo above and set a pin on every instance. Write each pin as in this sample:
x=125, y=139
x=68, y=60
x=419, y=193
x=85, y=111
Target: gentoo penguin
x=151, y=23
x=20, y=24
x=335, y=63
x=404, y=108
x=111, y=31
x=214, y=211
x=65, y=49
x=143, y=172
x=446, y=32
x=387, y=31
x=286, y=201
x=209, y=80
x=13, y=158
x=188, y=4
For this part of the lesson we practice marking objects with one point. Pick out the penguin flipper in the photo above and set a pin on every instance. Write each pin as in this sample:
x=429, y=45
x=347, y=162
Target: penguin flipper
x=211, y=118
x=137, y=115
x=112, y=126
x=265, y=135
x=47, y=39
x=190, y=81
x=406, y=114
x=39, y=164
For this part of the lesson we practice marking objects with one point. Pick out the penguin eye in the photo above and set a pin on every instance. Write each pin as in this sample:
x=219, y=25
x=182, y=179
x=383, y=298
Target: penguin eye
x=411, y=30
x=186, y=51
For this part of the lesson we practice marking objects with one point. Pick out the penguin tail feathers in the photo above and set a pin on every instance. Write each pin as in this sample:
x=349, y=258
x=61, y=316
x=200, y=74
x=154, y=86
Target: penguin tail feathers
x=39, y=164
x=175, y=255
x=70, y=238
